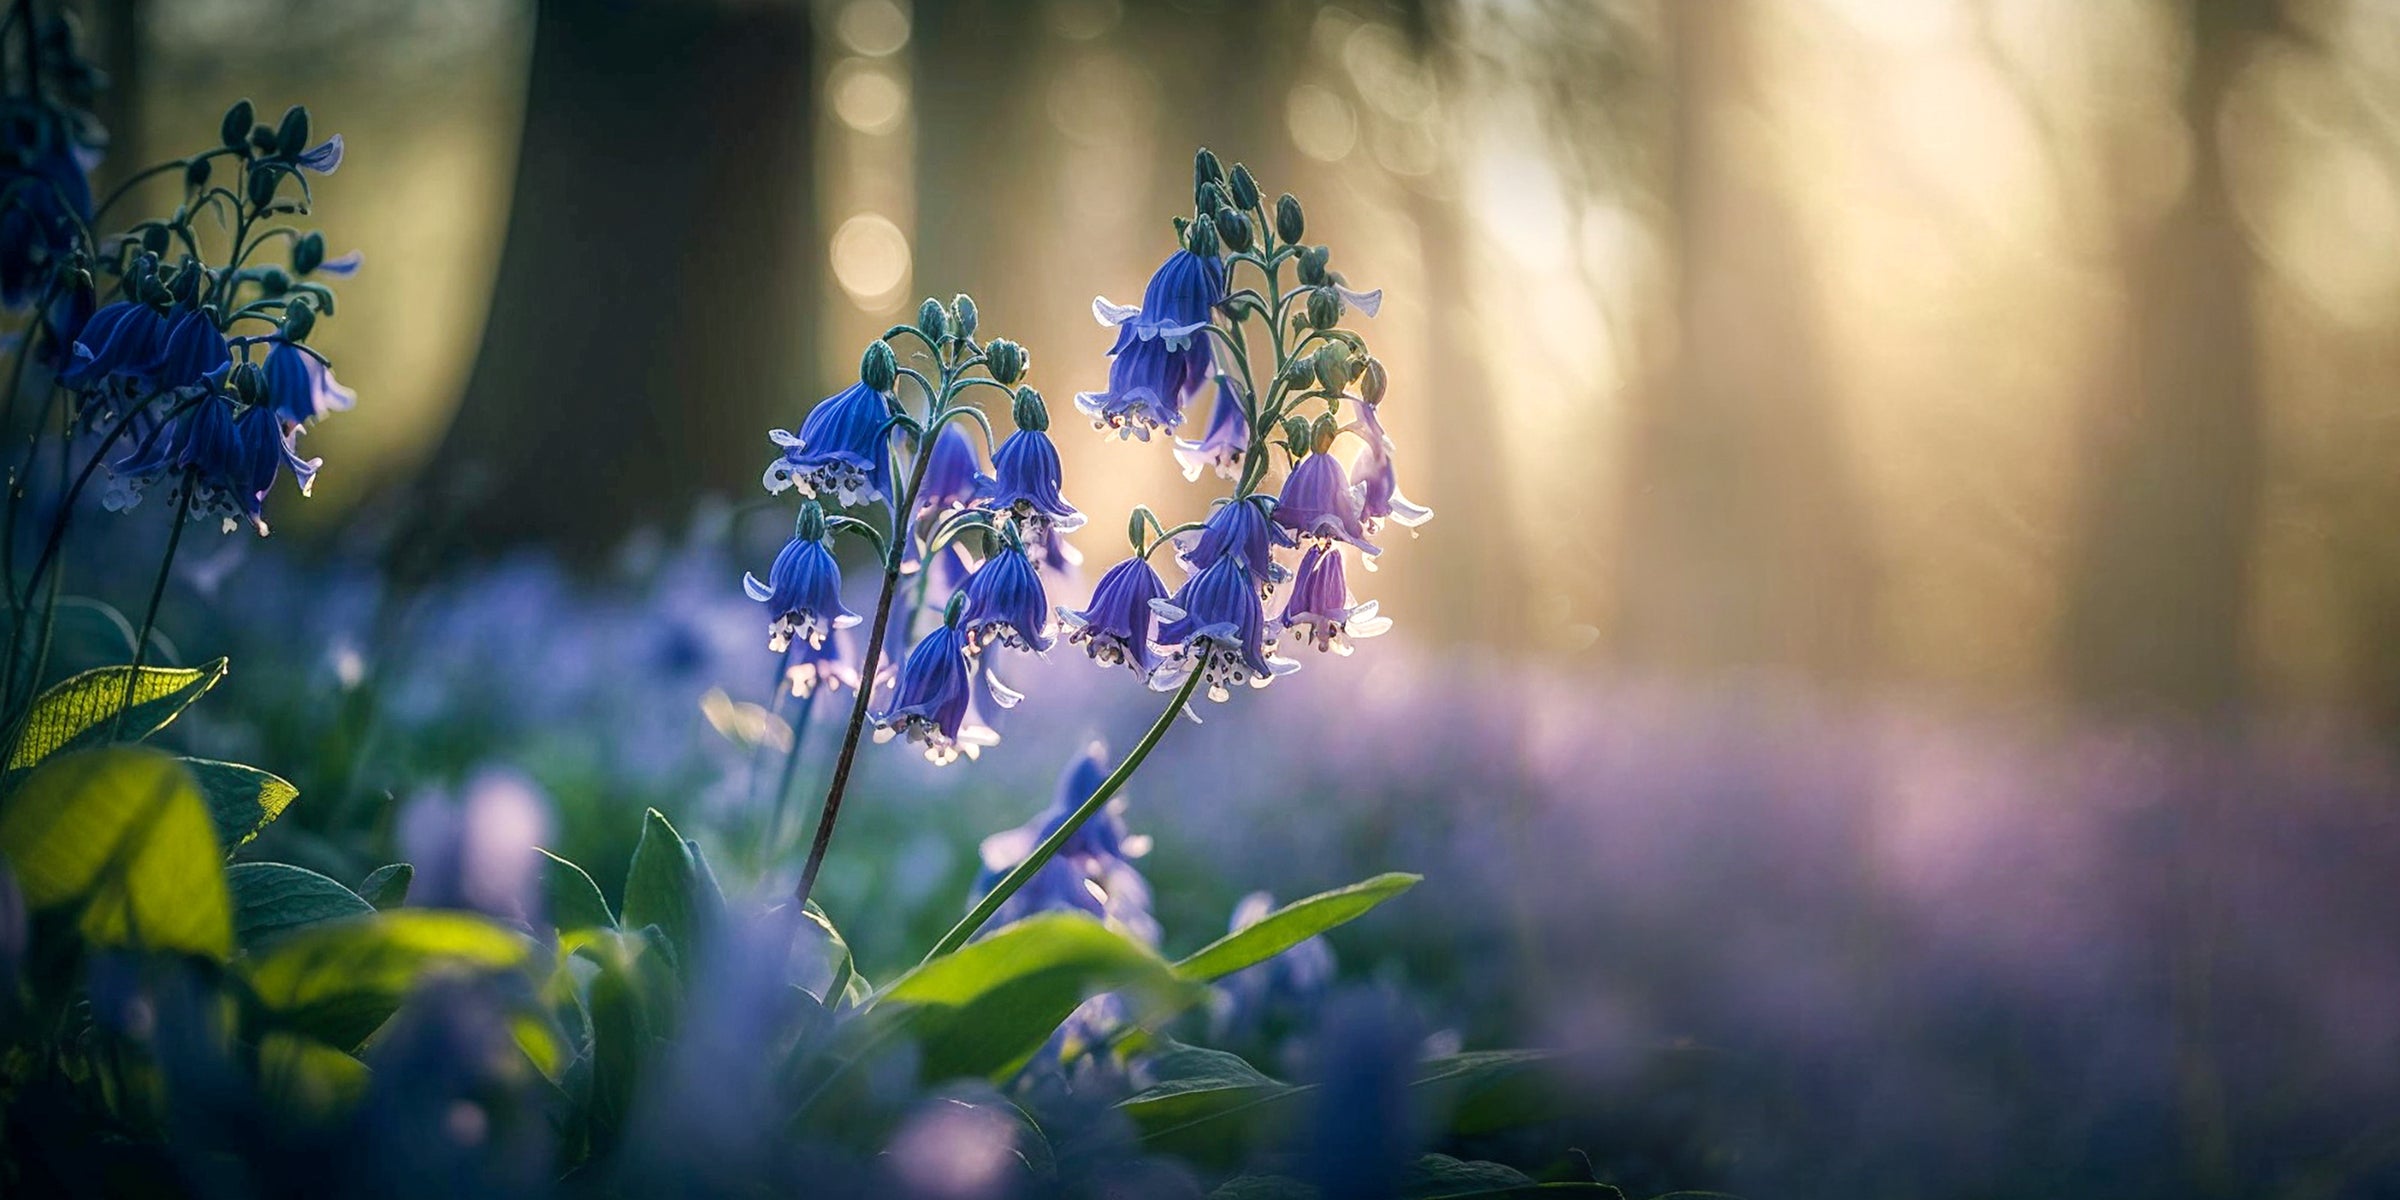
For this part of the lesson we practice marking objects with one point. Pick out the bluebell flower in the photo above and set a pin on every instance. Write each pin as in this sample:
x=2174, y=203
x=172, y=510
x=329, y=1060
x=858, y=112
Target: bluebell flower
x=803, y=592
x=829, y=663
x=1284, y=989
x=193, y=352
x=1053, y=553
x=841, y=449
x=342, y=264
x=49, y=202
x=1217, y=628
x=1236, y=527
x=300, y=387
x=1117, y=626
x=1373, y=477
x=324, y=158
x=1318, y=502
x=1006, y=604
x=113, y=358
x=230, y=461
x=1092, y=872
x=1225, y=444
x=63, y=320
x=1181, y=298
x=953, y=476
x=1319, y=604
x=1025, y=482
x=929, y=706
x=1149, y=381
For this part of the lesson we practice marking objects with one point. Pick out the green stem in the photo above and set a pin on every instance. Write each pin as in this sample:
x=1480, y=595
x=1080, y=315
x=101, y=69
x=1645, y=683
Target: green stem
x=1023, y=871
x=158, y=592
x=791, y=770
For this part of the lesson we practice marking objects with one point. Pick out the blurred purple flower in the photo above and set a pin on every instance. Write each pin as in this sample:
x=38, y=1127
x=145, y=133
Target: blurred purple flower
x=953, y=475
x=829, y=662
x=300, y=387
x=477, y=853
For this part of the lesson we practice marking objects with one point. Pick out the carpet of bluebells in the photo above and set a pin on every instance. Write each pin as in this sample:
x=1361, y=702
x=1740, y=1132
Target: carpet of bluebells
x=880, y=834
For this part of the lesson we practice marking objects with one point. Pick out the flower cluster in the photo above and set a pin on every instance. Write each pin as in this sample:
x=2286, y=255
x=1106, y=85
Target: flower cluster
x=164, y=387
x=1217, y=624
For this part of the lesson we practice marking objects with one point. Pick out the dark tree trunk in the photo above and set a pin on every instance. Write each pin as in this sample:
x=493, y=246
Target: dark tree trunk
x=1742, y=542
x=2156, y=595
x=647, y=323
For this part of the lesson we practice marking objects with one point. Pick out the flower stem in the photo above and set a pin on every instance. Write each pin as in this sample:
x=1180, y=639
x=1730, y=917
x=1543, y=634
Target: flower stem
x=791, y=770
x=873, y=659
x=158, y=591
x=1023, y=871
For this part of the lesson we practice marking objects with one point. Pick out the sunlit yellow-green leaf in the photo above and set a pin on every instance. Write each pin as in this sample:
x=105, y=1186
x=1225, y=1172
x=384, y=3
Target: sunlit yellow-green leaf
x=304, y=1076
x=338, y=980
x=122, y=833
x=82, y=710
x=241, y=800
x=1291, y=925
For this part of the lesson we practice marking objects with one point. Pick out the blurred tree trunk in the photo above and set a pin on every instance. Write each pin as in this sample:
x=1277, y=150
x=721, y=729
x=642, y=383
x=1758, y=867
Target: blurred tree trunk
x=113, y=39
x=1742, y=543
x=646, y=324
x=2156, y=595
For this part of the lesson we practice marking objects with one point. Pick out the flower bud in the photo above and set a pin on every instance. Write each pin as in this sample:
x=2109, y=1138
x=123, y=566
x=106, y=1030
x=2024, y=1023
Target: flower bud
x=299, y=317
x=962, y=310
x=1233, y=229
x=196, y=173
x=1299, y=371
x=879, y=369
x=1201, y=239
x=1206, y=169
x=292, y=136
x=234, y=130
x=1005, y=360
x=1312, y=266
x=1332, y=366
x=1244, y=188
x=1371, y=390
x=1290, y=224
x=1133, y=525
x=1322, y=433
x=1297, y=436
x=1211, y=198
x=154, y=239
x=1324, y=308
x=308, y=253
x=809, y=526
x=955, y=609
x=262, y=185
x=274, y=280
x=932, y=321
x=262, y=139
x=248, y=382
x=1029, y=411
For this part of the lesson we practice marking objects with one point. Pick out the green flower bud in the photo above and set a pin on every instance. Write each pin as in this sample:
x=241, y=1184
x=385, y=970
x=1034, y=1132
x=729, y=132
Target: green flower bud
x=299, y=317
x=1297, y=436
x=1322, y=433
x=1376, y=381
x=879, y=368
x=1233, y=229
x=1300, y=371
x=810, y=525
x=1332, y=365
x=956, y=608
x=234, y=130
x=274, y=281
x=1206, y=169
x=1134, y=525
x=292, y=136
x=262, y=139
x=932, y=321
x=1201, y=239
x=1324, y=308
x=1005, y=360
x=154, y=239
x=1290, y=224
x=1211, y=198
x=248, y=382
x=1312, y=266
x=1029, y=411
x=262, y=185
x=962, y=307
x=309, y=252
x=1244, y=188
x=196, y=173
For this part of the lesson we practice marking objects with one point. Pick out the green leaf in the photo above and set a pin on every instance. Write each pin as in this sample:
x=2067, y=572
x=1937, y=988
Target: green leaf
x=304, y=1076
x=823, y=965
x=570, y=897
x=241, y=800
x=1441, y=1177
x=1291, y=925
x=1263, y=1187
x=82, y=710
x=1485, y=1091
x=387, y=886
x=1194, y=1080
x=627, y=1006
x=338, y=980
x=670, y=887
x=985, y=1008
x=123, y=832
x=276, y=898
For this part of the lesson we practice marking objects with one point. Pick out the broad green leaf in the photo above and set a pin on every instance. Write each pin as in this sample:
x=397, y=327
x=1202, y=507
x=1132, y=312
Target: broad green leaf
x=984, y=1009
x=82, y=710
x=387, y=886
x=275, y=898
x=338, y=980
x=304, y=1076
x=1485, y=1091
x=241, y=800
x=669, y=886
x=626, y=1006
x=1207, y=1108
x=121, y=831
x=1291, y=925
x=1441, y=1177
x=1193, y=1080
x=570, y=897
